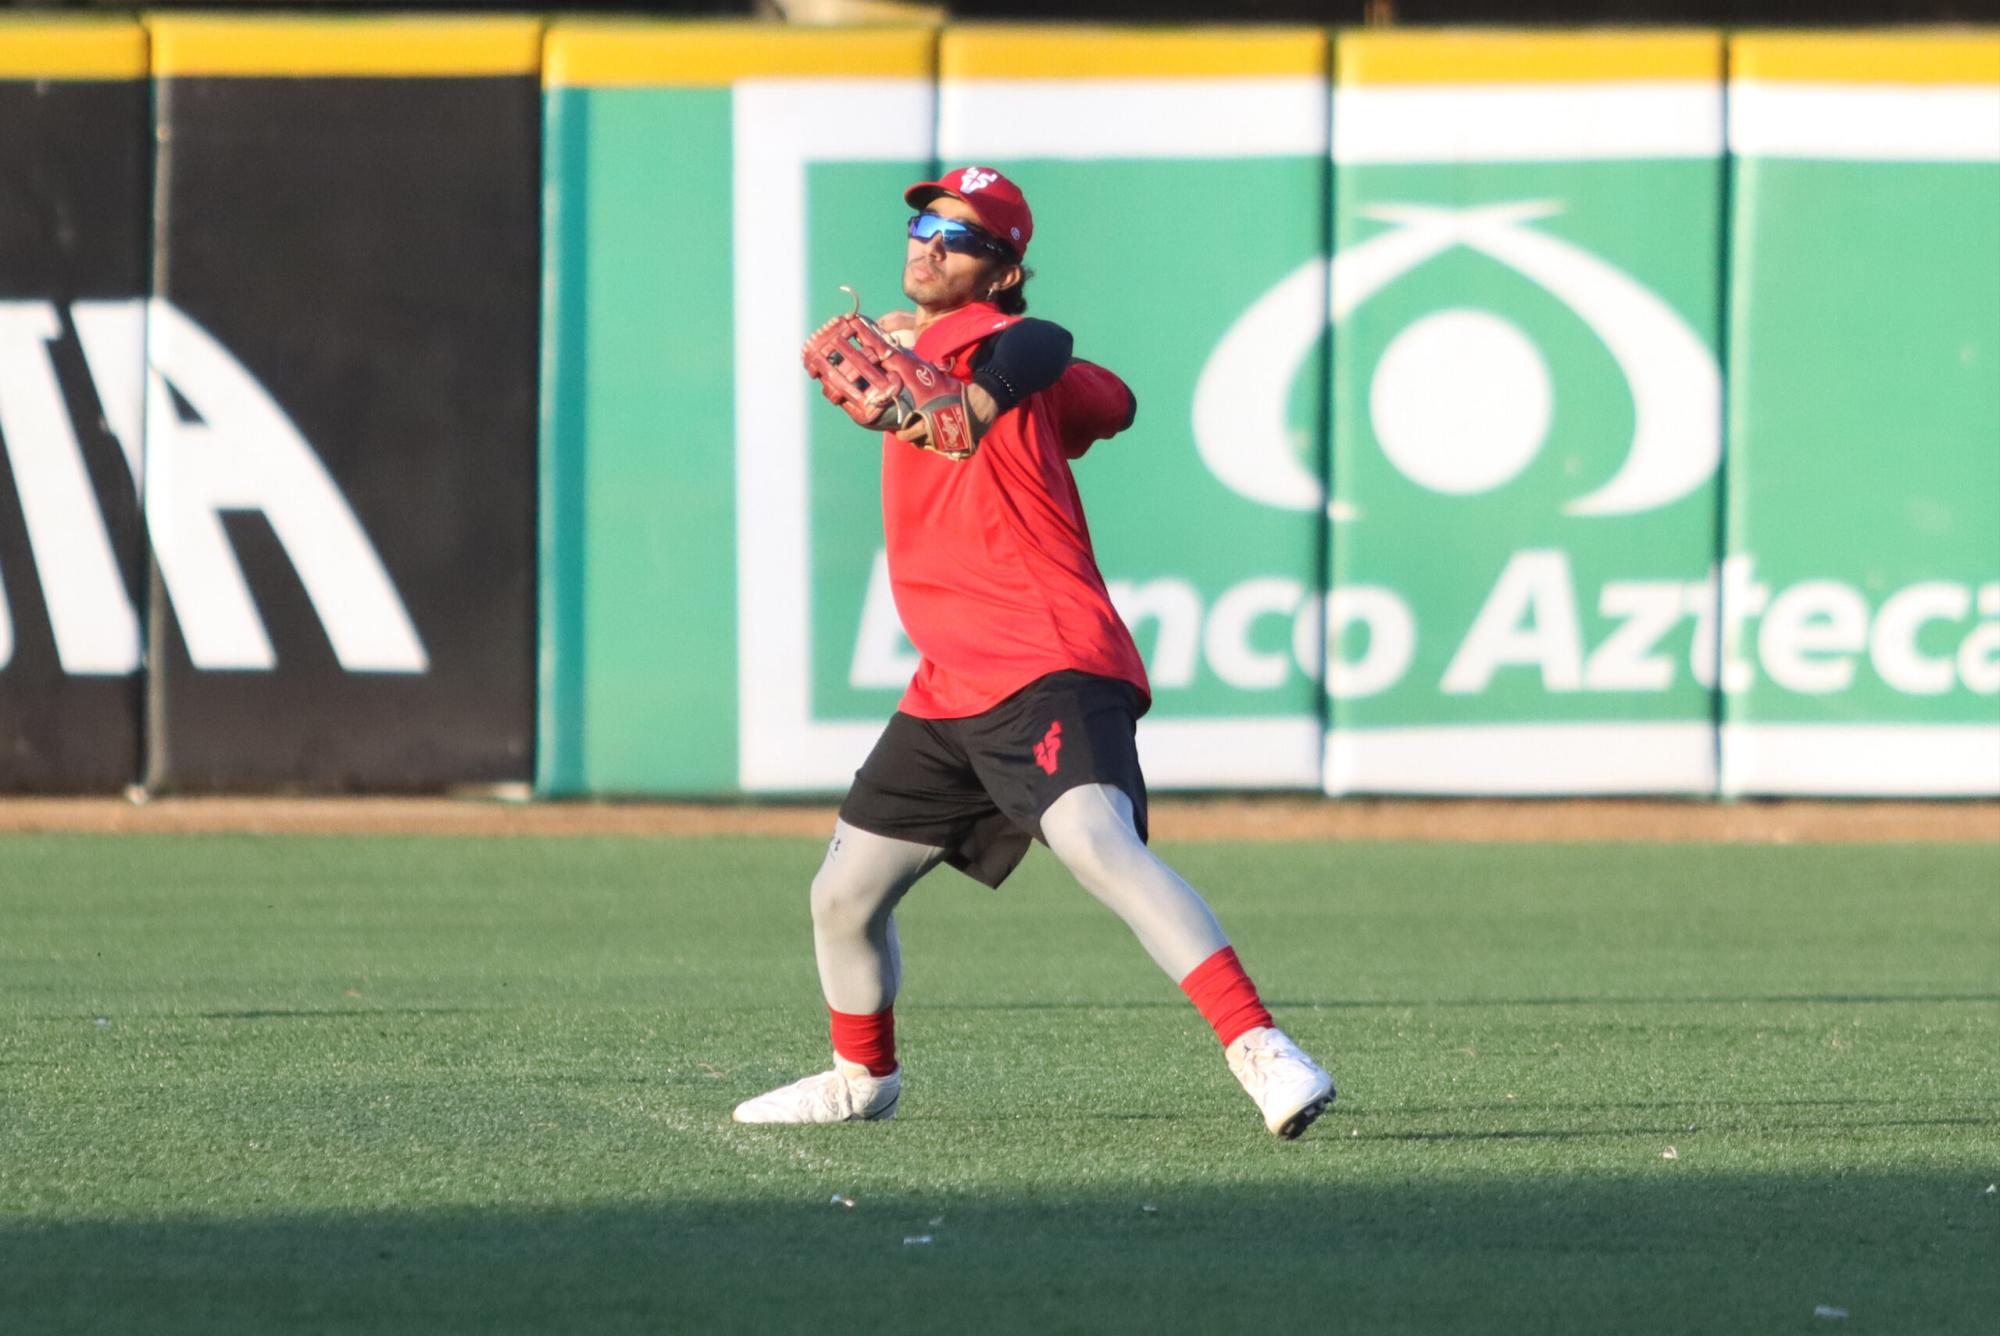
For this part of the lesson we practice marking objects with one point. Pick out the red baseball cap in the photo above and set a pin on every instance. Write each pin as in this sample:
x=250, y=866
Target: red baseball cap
x=992, y=197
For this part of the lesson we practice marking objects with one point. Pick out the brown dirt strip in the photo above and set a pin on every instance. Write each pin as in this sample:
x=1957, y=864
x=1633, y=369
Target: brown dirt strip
x=1258, y=818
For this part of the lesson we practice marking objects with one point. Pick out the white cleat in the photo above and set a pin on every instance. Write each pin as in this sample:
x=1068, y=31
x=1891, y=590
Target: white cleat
x=1290, y=1088
x=847, y=1094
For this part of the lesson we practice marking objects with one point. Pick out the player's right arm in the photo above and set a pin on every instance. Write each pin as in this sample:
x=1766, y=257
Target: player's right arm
x=1022, y=360
x=1025, y=358
x=1091, y=404
x=1033, y=357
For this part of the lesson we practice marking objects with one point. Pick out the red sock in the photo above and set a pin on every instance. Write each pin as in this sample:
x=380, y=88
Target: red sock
x=868, y=1040
x=1224, y=996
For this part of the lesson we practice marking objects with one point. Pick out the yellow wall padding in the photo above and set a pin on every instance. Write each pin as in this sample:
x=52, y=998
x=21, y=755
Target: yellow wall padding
x=35, y=47
x=1526, y=57
x=196, y=46
x=600, y=54
x=1916, y=56
x=978, y=51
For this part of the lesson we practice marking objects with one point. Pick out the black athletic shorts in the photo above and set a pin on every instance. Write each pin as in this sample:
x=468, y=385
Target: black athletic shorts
x=977, y=787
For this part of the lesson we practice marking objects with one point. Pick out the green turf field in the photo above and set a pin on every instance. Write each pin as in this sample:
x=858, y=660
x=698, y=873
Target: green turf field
x=401, y=1085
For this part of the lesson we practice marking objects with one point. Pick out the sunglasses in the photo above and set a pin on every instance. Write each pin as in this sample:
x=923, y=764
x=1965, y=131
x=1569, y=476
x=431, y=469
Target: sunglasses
x=956, y=237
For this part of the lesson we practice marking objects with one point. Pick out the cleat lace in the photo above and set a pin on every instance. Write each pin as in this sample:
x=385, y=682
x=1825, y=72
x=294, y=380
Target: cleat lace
x=829, y=1093
x=1261, y=1061
x=1262, y=1057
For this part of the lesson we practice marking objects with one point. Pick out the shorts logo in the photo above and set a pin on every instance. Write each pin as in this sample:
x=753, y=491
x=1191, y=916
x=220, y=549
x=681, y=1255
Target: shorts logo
x=1047, y=749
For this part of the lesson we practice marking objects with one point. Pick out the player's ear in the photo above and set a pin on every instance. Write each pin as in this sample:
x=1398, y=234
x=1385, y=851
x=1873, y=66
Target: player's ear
x=1003, y=278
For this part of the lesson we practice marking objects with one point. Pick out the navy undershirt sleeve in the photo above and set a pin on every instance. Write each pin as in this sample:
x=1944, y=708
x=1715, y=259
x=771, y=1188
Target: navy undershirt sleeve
x=1023, y=359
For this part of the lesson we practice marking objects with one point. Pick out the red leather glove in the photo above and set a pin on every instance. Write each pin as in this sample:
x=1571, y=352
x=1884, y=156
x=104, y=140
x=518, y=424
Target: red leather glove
x=883, y=386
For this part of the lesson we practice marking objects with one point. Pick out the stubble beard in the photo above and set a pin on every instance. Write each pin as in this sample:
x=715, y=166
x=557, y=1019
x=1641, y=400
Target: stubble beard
x=932, y=290
x=921, y=285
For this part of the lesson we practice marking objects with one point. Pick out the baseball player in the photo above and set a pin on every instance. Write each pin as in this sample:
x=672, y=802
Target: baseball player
x=1019, y=723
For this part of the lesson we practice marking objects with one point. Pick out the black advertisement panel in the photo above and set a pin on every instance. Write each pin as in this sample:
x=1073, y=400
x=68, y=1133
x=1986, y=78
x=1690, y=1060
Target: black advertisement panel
x=73, y=206
x=348, y=271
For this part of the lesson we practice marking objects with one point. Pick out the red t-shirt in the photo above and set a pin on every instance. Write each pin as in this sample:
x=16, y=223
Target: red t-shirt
x=989, y=557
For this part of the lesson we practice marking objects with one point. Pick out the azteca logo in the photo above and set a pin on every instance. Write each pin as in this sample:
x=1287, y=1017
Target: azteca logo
x=1461, y=399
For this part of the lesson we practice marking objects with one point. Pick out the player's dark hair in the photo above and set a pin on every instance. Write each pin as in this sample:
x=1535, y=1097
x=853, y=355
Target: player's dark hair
x=1014, y=301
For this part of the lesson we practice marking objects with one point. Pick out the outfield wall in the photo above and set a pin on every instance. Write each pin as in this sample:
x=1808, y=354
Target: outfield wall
x=343, y=520
x=74, y=192
x=1520, y=413
x=276, y=311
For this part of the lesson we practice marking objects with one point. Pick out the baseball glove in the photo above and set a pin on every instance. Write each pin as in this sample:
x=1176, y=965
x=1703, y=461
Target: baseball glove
x=879, y=384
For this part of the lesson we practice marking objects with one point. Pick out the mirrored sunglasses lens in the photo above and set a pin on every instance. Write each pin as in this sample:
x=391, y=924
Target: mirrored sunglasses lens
x=959, y=238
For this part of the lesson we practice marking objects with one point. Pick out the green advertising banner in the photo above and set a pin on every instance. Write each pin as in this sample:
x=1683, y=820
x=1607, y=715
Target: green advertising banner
x=1862, y=644
x=685, y=163
x=1527, y=413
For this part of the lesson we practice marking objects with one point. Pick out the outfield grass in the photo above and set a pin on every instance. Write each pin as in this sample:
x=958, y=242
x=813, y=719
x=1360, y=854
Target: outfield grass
x=425, y=1085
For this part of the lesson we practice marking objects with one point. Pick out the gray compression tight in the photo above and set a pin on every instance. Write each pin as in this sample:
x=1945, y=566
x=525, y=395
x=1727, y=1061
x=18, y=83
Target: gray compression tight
x=1089, y=828
x=854, y=897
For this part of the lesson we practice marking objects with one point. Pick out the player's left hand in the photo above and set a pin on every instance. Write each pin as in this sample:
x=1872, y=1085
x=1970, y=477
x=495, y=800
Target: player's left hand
x=900, y=326
x=883, y=386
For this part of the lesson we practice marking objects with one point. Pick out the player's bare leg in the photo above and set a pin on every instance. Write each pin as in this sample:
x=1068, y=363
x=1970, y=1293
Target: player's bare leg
x=1090, y=829
x=854, y=898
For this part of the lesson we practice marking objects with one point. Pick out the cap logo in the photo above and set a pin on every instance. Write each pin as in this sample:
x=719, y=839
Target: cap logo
x=1014, y=232
x=975, y=178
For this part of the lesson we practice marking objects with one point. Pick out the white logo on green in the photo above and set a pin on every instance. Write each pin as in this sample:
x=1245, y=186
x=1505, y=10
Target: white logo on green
x=1461, y=399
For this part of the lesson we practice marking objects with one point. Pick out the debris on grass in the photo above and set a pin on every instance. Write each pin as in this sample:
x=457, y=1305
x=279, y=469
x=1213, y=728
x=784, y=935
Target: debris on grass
x=1992, y=1189
x=936, y=1220
x=1149, y=1209
x=102, y=1022
x=1828, y=1310
x=842, y=1199
x=1670, y=1154
x=915, y=1240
